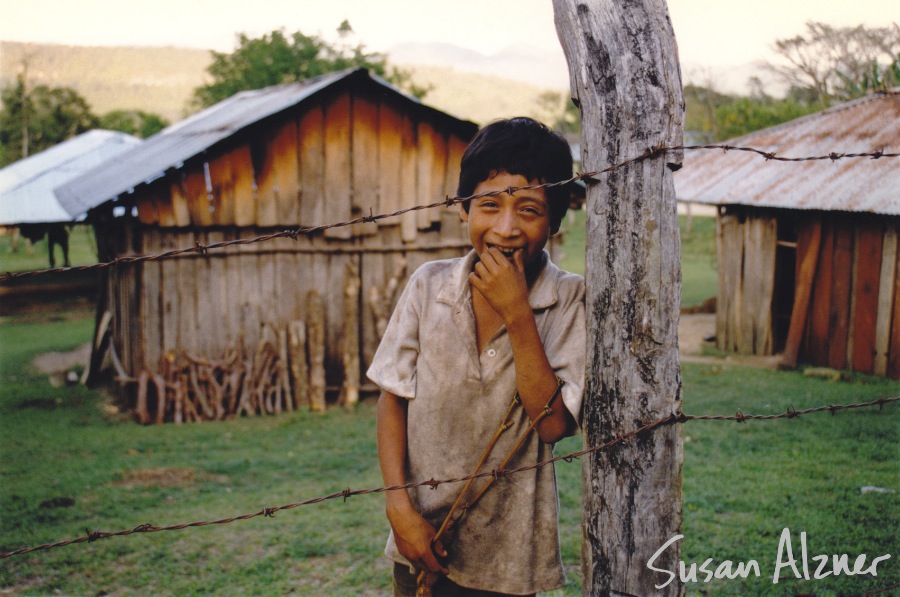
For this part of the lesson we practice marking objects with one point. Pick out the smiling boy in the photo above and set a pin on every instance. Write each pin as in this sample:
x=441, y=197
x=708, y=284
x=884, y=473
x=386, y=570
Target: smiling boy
x=467, y=336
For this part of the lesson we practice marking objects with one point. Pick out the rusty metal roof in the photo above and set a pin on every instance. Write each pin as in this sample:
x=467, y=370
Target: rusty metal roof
x=850, y=184
x=26, y=186
x=171, y=147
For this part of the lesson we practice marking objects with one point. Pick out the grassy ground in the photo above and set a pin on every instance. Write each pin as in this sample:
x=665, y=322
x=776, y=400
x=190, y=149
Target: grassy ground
x=67, y=465
x=698, y=254
x=82, y=251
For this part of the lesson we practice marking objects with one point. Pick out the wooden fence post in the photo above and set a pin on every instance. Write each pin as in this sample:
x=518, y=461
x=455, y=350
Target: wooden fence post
x=624, y=73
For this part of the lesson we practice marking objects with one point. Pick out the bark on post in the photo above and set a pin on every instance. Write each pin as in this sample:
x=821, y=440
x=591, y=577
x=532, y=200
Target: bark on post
x=623, y=67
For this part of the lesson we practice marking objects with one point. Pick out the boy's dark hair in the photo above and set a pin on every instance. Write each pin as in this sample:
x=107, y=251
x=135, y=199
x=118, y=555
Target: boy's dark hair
x=519, y=146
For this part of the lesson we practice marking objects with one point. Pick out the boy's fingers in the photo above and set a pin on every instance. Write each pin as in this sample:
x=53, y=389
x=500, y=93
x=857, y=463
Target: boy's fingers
x=519, y=260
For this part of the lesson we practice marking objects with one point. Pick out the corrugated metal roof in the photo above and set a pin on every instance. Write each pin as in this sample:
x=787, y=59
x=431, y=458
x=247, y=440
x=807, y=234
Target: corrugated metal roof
x=171, y=147
x=26, y=186
x=850, y=184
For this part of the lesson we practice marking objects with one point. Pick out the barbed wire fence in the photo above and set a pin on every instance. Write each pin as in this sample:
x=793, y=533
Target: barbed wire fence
x=268, y=512
x=294, y=233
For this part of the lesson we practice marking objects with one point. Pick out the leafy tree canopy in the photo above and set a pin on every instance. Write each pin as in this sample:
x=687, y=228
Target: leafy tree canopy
x=34, y=120
x=839, y=63
x=134, y=122
x=276, y=58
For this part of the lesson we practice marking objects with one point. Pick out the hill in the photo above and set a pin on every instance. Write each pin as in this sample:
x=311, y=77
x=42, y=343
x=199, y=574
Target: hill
x=162, y=79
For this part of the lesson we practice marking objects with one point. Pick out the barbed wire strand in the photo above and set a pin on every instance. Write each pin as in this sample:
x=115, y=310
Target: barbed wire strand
x=268, y=512
x=295, y=233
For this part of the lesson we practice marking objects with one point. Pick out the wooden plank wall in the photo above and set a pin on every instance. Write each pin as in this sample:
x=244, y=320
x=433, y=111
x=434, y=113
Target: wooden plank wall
x=339, y=159
x=852, y=319
x=846, y=288
x=746, y=248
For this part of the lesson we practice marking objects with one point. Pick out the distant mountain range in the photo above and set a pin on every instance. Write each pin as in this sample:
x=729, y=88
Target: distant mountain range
x=521, y=63
x=465, y=83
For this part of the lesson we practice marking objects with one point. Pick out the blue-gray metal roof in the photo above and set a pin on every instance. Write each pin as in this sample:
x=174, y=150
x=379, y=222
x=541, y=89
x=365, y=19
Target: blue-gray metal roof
x=850, y=184
x=26, y=186
x=171, y=147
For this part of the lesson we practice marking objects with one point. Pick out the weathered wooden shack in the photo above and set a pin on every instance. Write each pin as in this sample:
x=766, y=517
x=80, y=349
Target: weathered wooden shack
x=808, y=251
x=317, y=152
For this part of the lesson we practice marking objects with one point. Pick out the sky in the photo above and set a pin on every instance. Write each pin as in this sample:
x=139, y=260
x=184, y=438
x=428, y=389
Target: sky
x=708, y=32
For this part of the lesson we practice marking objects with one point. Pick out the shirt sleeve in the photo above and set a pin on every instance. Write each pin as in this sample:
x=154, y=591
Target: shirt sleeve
x=393, y=368
x=566, y=342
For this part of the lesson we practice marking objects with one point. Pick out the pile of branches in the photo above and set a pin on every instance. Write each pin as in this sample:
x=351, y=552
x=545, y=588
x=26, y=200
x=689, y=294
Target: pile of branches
x=193, y=389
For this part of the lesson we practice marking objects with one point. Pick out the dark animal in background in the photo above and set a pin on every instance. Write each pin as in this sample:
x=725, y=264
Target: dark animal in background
x=56, y=234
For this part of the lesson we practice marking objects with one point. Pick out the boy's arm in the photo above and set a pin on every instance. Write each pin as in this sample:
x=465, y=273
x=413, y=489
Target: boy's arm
x=412, y=533
x=503, y=285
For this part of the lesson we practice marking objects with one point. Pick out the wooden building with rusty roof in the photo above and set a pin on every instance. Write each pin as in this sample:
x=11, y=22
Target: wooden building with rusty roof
x=808, y=251
x=321, y=151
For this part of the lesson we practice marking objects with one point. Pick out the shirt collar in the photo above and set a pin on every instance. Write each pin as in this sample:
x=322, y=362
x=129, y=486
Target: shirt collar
x=541, y=295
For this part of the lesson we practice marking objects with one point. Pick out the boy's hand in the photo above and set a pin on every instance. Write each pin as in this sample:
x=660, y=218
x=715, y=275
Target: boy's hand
x=502, y=282
x=414, y=535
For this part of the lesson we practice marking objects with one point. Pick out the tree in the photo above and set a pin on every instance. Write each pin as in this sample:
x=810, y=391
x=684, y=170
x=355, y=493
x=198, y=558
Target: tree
x=833, y=62
x=275, y=58
x=711, y=116
x=32, y=121
x=134, y=122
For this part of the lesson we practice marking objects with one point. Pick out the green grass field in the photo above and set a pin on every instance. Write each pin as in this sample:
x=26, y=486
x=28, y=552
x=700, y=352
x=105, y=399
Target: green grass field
x=82, y=251
x=698, y=254
x=69, y=466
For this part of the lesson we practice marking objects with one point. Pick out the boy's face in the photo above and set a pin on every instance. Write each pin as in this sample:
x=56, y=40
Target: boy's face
x=509, y=223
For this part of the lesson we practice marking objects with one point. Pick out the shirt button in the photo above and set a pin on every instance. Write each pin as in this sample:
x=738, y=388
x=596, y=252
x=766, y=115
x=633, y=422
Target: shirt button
x=492, y=353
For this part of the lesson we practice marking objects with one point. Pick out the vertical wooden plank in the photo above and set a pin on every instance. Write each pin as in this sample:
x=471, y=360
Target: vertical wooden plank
x=146, y=202
x=868, y=271
x=208, y=330
x=234, y=272
x=764, y=342
x=809, y=239
x=426, y=174
x=887, y=284
x=312, y=167
x=816, y=350
x=164, y=208
x=222, y=184
x=338, y=198
x=187, y=300
x=390, y=146
x=455, y=149
x=408, y=182
x=181, y=214
x=197, y=196
x=170, y=292
x=436, y=191
x=893, y=365
x=244, y=179
x=215, y=292
x=842, y=283
x=730, y=251
x=150, y=298
x=365, y=162
x=279, y=174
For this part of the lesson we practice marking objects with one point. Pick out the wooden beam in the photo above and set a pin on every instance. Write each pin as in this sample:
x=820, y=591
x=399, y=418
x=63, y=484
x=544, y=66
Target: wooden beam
x=808, y=243
x=623, y=69
x=887, y=287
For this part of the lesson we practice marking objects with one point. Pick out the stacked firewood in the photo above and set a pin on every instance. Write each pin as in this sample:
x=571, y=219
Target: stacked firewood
x=284, y=372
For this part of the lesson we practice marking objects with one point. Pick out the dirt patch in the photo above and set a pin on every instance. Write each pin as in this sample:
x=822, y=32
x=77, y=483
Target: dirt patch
x=55, y=362
x=164, y=477
x=692, y=330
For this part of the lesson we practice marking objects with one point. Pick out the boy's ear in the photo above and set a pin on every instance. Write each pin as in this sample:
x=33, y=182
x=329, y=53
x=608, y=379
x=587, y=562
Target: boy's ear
x=463, y=214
